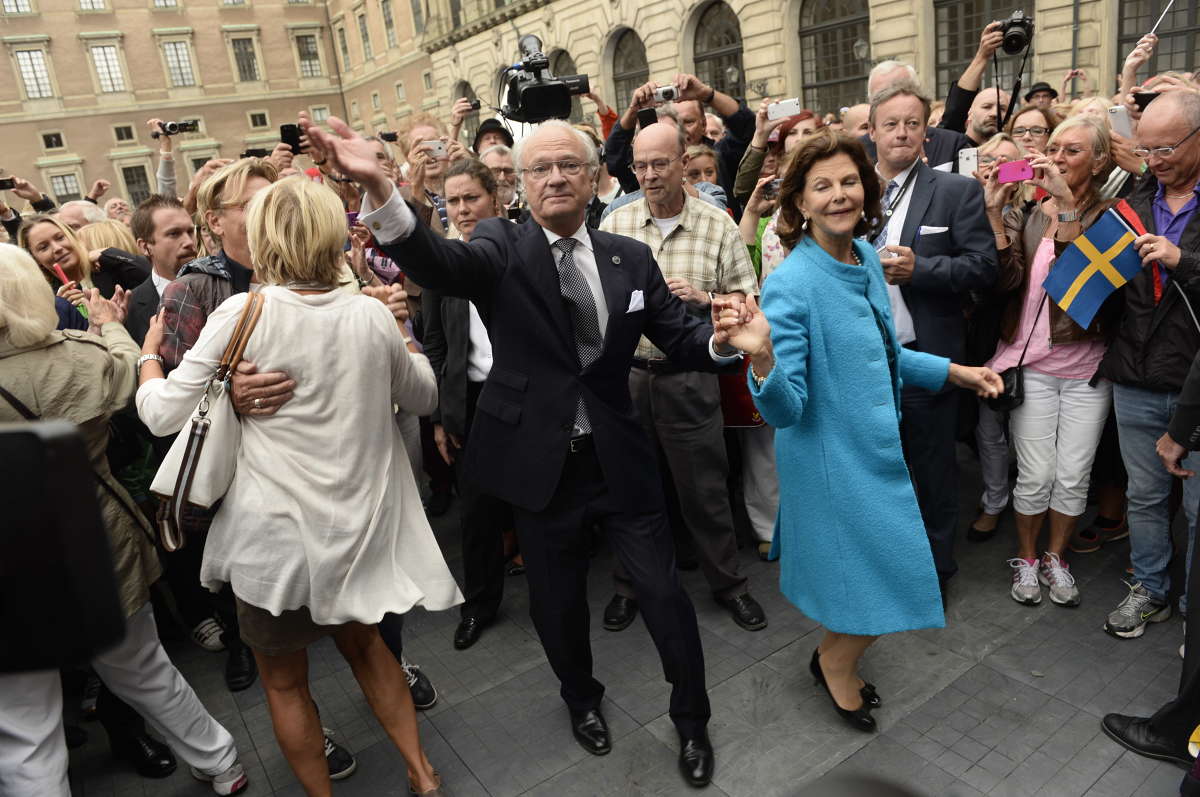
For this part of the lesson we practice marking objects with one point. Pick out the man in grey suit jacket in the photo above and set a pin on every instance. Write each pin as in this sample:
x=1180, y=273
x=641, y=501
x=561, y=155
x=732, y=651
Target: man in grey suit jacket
x=938, y=248
x=166, y=236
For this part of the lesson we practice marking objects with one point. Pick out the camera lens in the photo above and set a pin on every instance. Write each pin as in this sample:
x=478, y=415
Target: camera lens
x=1015, y=40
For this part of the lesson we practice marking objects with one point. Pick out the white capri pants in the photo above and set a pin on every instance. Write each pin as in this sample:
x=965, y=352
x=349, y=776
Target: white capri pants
x=33, y=748
x=1055, y=433
x=760, y=480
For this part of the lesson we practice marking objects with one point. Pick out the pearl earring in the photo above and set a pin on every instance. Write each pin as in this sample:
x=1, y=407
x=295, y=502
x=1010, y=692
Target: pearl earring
x=804, y=225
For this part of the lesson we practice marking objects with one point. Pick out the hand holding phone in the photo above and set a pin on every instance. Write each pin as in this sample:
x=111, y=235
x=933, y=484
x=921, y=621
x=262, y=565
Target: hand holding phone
x=1013, y=171
x=7, y=183
x=290, y=135
x=1119, y=121
x=436, y=149
x=783, y=109
x=647, y=117
x=968, y=161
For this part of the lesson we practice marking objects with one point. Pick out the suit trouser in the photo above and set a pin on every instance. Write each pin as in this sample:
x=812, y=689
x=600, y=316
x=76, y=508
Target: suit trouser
x=1178, y=718
x=682, y=412
x=928, y=427
x=32, y=744
x=482, y=519
x=556, y=544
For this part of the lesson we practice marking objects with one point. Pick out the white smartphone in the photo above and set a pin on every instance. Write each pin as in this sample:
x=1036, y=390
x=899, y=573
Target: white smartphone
x=783, y=108
x=436, y=149
x=1118, y=120
x=968, y=161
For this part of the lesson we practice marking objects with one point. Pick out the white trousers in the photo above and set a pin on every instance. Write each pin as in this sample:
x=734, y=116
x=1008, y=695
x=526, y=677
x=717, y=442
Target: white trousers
x=1055, y=433
x=993, y=459
x=33, y=752
x=760, y=480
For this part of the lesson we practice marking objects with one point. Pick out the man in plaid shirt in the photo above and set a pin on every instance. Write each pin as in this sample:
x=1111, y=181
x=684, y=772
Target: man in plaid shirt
x=700, y=253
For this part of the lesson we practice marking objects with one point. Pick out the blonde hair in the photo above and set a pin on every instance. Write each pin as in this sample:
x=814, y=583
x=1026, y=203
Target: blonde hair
x=229, y=182
x=27, y=313
x=81, y=252
x=1101, y=144
x=110, y=234
x=1082, y=106
x=296, y=230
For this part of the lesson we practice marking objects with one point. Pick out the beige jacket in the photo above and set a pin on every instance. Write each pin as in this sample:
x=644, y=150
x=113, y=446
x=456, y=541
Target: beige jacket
x=84, y=379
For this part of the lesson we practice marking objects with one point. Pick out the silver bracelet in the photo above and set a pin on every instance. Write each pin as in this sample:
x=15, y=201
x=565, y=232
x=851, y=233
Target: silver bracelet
x=146, y=357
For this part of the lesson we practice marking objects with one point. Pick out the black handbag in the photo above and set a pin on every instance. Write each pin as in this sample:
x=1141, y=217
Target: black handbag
x=1014, y=379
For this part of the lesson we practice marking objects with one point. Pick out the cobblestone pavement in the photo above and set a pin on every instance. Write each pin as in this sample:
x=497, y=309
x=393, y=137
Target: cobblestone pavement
x=1006, y=700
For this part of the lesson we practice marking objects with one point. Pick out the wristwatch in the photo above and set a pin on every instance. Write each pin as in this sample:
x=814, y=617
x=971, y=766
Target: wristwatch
x=146, y=357
x=1067, y=218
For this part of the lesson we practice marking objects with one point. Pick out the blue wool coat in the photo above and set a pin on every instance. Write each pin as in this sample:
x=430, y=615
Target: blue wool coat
x=853, y=550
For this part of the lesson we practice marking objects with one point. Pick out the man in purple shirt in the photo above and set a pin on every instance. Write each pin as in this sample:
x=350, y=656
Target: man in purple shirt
x=1158, y=338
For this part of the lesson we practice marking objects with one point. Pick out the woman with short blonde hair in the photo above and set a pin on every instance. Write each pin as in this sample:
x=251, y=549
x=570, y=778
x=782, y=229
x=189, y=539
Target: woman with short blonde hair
x=322, y=531
x=109, y=234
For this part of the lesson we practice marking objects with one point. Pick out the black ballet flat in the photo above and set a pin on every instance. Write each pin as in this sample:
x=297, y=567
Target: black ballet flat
x=869, y=695
x=859, y=719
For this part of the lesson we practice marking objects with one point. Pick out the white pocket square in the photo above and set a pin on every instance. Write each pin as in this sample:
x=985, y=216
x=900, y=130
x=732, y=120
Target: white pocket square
x=931, y=230
x=636, y=302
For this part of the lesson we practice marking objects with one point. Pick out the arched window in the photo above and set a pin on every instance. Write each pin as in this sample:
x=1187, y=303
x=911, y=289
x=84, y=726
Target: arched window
x=471, y=121
x=835, y=53
x=630, y=69
x=958, y=26
x=1178, y=36
x=561, y=63
x=718, y=49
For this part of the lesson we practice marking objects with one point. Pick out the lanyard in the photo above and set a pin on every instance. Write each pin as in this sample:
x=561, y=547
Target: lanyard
x=887, y=213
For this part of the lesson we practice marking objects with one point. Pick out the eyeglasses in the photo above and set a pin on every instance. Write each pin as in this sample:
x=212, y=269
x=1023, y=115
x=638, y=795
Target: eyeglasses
x=988, y=160
x=1033, y=131
x=658, y=165
x=501, y=171
x=1163, y=152
x=1054, y=149
x=541, y=171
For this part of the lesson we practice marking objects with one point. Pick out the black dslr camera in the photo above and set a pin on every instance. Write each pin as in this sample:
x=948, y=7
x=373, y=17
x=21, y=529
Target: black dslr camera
x=534, y=95
x=175, y=128
x=1018, y=32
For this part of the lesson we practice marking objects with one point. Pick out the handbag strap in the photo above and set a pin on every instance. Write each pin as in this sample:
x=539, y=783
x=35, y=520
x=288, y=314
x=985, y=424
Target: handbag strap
x=21, y=409
x=1188, y=302
x=1036, y=318
x=241, y=336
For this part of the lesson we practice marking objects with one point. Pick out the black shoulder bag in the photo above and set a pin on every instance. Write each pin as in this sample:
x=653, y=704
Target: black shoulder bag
x=1014, y=382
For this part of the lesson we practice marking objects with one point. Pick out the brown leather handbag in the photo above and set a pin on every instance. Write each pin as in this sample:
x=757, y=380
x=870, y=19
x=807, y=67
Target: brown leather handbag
x=199, y=468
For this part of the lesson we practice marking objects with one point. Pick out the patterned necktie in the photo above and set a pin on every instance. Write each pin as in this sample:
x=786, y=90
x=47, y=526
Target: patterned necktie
x=889, y=192
x=581, y=304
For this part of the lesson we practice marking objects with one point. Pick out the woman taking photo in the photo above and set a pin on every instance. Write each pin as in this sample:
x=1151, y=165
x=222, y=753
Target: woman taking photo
x=1056, y=429
x=856, y=570
x=322, y=531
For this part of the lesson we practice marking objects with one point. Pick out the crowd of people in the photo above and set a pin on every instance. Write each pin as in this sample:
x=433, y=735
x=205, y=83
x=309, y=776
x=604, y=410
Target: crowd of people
x=633, y=330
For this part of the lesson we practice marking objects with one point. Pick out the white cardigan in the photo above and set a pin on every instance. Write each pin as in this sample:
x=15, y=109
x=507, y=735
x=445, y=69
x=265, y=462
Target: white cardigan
x=324, y=510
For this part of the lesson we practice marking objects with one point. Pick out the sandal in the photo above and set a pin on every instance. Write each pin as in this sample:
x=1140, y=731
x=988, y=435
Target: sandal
x=436, y=791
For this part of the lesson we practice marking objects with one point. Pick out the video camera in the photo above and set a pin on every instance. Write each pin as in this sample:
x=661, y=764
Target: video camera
x=535, y=95
x=175, y=128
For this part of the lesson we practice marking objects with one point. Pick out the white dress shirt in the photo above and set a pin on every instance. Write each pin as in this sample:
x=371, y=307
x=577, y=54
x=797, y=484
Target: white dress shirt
x=479, y=353
x=160, y=282
x=905, y=330
x=585, y=259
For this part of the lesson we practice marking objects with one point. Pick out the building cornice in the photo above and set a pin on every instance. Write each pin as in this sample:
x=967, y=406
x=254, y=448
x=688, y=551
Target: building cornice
x=481, y=24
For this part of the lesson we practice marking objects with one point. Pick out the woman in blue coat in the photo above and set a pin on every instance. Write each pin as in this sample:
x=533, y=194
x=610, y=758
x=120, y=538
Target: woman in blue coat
x=826, y=373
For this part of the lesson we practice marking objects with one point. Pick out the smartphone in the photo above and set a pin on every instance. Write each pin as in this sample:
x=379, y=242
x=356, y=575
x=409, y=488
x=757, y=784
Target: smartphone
x=7, y=183
x=647, y=117
x=475, y=105
x=351, y=218
x=389, y=136
x=290, y=135
x=436, y=149
x=514, y=214
x=1118, y=120
x=771, y=189
x=1013, y=171
x=1143, y=98
x=783, y=108
x=968, y=161
x=255, y=153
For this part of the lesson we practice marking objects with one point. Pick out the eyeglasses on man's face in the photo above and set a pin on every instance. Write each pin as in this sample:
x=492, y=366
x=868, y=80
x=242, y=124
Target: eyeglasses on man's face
x=1032, y=131
x=1163, y=152
x=658, y=165
x=542, y=171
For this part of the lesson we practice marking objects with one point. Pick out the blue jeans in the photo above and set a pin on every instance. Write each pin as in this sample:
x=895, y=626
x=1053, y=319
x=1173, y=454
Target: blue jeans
x=1142, y=418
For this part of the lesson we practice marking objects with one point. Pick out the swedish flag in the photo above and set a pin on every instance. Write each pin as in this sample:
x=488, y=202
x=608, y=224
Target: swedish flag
x=1093, y=266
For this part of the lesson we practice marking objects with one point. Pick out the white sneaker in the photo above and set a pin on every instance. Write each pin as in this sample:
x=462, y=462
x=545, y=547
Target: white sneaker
x=1057, y=576
x=1025, y=587
x=207, y=634
x=231, y=781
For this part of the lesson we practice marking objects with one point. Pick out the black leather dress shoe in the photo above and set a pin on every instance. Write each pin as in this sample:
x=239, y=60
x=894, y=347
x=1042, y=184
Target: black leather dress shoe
x=150, y=757
x=619, y=613
x=591, y=731
x=696, y=760
x=468, y=632
x=1135, y=733
x=745, y=611
x=240, y=669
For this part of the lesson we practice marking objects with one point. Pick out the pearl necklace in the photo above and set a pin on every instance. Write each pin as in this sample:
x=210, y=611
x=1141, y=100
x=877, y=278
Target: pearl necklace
x=853, y=254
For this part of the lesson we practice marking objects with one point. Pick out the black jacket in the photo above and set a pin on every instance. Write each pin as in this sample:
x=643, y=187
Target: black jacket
x=526, y=410
x=1155, y=343
x=955, y=254
x=447, y=343
x=143, y=304
x=1185, y=423
x=118, y=267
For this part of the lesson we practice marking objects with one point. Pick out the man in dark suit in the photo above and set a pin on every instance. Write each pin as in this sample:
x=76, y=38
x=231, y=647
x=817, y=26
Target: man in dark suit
x=166, y=236
x=940, y=146
x=938, y=247
x=555, y=433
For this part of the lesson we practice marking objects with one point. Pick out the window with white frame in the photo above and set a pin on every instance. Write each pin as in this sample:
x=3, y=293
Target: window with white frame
x=17, y=7
x=401, y=95
x=354, y=109
x=246, y=60
x=368, y=54
x=320, y=113
x=137, y=183
x=179, y=63
x=91, y=5
x=53, y=140
x=344, y=47
x=259, y=119
x=233, y=2
x=389, y=23
x=309, y=55
x=427, y=80
x=166, y=3
x=376, y=102
x=65, y=187
x=108, y=68
x=34, y=74
x=123, y=133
